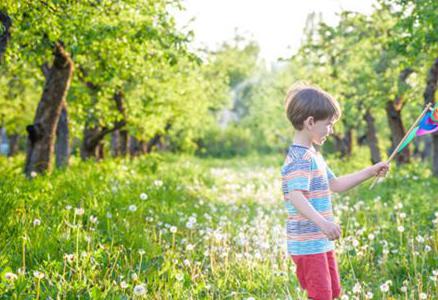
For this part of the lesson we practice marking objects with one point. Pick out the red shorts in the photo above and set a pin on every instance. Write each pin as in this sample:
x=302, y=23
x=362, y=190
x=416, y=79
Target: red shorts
x=318, y=274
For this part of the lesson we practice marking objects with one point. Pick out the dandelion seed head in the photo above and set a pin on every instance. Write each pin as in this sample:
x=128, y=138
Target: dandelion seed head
x=139, y=290
x=38, y=274
x=10, y=276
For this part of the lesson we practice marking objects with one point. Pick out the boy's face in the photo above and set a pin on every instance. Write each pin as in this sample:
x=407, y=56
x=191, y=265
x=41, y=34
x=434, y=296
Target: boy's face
x=321, y=129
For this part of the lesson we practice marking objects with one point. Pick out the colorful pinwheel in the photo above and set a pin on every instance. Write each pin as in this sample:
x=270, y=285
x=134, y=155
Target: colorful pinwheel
x=428, y=124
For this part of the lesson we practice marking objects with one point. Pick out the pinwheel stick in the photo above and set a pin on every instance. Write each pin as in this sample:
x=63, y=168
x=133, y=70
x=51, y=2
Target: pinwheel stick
x=428, y=107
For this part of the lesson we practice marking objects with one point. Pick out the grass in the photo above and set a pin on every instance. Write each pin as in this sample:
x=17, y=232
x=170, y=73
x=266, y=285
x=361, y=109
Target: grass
x=180, y=227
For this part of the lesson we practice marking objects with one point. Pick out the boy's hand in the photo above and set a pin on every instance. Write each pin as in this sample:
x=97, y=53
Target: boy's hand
x=331, y=230
x=379, y=169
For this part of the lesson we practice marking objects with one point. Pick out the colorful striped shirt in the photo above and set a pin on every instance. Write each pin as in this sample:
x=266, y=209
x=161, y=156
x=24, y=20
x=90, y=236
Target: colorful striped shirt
x=305, y=170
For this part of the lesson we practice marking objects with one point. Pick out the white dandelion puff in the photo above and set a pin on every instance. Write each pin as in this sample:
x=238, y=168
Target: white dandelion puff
x=139, y=290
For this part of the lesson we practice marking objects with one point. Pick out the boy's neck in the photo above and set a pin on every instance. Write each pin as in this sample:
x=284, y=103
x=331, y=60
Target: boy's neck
x=302, y=139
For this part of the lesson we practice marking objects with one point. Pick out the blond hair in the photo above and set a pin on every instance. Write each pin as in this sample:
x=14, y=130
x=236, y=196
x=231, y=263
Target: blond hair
x=303, y=101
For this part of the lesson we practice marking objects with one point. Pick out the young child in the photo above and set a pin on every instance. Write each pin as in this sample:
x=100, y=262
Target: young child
x=307, y=185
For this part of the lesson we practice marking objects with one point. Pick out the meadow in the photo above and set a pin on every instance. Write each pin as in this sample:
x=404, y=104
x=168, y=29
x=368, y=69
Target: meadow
x=180, y=227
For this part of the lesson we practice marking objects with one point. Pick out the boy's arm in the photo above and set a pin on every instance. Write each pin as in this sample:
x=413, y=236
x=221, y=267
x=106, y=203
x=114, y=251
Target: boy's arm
x=346, y=182
x=330, y=229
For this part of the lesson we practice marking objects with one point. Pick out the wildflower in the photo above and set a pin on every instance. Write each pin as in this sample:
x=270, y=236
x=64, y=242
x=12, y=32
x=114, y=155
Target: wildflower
x=69, y=257
x=186, y=262
x=190, y=247
x=158, y=183
x=36, y=222
x=10, y=276
x=427, y=248
x=109, y=215
x=143, y=196
x=132, y=207
x=33, y=174
x=420, y=239
x=402, y=215
x=371, y=236
x=357, y=288
x=39, y=275
x=369, y=295
x=384, y=287
x=401, y=228
x=403, y=289
x=423, y=296
x=141, y=252
x=139, y=290
x=123, y=285
x=179, y=276
x=93, y=219
x=134, y=276
x=68, y=207
x=79, y=211
x=173, y=229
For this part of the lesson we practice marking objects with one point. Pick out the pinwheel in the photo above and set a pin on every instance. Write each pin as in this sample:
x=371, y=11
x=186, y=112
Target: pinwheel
x=426, y=123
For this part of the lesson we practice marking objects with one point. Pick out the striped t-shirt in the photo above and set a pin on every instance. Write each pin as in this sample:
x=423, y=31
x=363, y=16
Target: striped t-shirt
x=305, y=170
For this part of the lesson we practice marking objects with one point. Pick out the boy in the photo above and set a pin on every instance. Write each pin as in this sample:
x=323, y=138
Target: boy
x=307, y=185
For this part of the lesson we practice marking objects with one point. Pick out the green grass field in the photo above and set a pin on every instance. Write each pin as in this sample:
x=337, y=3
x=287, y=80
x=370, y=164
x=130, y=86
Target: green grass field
x=179, y=227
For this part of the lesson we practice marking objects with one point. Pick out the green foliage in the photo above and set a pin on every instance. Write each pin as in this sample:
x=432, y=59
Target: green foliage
x=127, y=46
x=228, y=142
x=238, y=59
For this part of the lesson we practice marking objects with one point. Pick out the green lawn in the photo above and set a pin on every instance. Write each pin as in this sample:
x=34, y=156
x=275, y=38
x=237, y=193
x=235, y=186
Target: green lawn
x=180, y=227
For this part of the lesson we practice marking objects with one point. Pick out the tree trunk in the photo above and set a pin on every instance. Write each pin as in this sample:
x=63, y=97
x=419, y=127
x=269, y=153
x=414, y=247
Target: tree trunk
x=14, y=143
x=134, y=146
x=123, y=134
x=5, y=34
x=372, y=138
x=344, y=144
x=143, y=147
x=100, y=151
x=42, y=133
x=62, y=140
x=89, y=145
x=115, y=143
x=93, y=135
x=397, y=132
x=124, y=142
x=429, y=96
x=393, y=113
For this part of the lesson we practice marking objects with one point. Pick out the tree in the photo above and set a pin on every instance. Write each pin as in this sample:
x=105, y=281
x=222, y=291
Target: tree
x=42, y=132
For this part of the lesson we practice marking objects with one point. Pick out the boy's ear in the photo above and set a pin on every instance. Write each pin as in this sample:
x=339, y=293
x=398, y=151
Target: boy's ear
x=309, y=122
